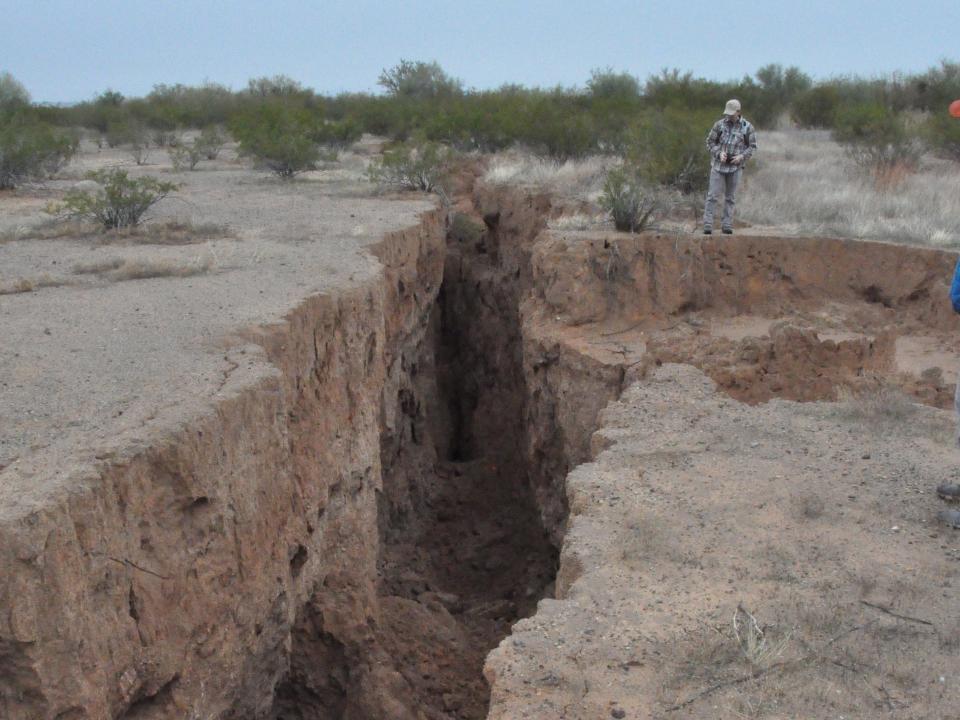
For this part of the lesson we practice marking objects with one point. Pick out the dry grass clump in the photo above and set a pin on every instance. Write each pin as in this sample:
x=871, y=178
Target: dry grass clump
x=171, y=232
x=581, y=179
x=823, y=659
x=25, y=285
x=120, y=269
x=881, y=406
x=579, y=221
x=803, y=182
x=49, y=230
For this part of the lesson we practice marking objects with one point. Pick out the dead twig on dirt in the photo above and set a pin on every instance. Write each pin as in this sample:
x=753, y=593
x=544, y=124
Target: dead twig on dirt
x=890, y=612
x=760, y=672
x=730, y=683
x=625, y=330
x=130, y=563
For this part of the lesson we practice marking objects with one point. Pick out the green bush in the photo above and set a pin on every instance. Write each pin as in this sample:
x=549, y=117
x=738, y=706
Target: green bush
x=942, y=134
x=13, y=95
x=120, y=202
x=418, y=80
x=605, y=83
x=279, y=136
x=337, y=135
x=667, y=148
x=876, y=138
x=424, y=167
x=629, y=200
x=816, y=107
x=31, y=150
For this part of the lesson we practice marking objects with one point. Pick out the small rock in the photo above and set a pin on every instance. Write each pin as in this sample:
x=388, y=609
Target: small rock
x=865, y=456
x=618, y=713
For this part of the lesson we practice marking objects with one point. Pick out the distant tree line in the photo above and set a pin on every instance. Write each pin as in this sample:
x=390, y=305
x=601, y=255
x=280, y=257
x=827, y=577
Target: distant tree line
x=659, y=123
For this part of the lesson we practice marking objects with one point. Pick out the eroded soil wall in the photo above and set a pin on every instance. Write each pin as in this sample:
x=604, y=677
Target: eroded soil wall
x=167, y=583
x=349, y=534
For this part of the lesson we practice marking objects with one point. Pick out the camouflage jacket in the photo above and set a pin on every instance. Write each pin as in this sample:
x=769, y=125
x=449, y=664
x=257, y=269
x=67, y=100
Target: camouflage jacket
x=736, y=138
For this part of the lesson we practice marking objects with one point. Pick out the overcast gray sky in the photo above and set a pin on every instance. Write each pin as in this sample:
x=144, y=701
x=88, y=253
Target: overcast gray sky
x=69, y=50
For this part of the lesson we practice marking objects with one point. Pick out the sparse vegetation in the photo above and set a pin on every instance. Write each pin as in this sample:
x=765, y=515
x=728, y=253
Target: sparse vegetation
x=184, y=155
x=120, y=202
x=25, y=285
x=172, y=232
x=130, y=133
x=120, y=269
x=803, y=182
x=30, y=150
x=667, y=148
x=425, y=167
x=211, y=141
x=877, y=139
x=279, y=136
x=630, y=202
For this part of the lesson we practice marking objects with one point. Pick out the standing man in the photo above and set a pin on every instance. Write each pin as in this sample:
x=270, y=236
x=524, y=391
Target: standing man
x=730, y=142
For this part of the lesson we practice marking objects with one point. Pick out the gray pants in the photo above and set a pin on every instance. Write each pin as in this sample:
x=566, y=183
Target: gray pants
x=721, y=184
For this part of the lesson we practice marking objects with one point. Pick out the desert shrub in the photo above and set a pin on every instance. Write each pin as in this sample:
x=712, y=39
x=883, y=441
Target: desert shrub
x=816, y=107
x=777, y=89
x=278, y=86
x=629, y=200
x=336, y=135
x=131, y=133
x=550, y=124
x=163, y=138
x=31, y=150
x=13, y=95
x=211, y=141
x=169, y=107
x=279, y=136
x=605, y=83
x=418, y=80
x=876, y=138
x=424, y=166
x=942, y=134
x=672, y=88
x=667, y=148
x=936, y=88
x=185, y=155
x=121, y=201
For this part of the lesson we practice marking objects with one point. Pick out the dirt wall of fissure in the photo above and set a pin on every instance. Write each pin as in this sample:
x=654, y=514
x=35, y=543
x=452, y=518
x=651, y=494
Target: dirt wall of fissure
x=167, y=583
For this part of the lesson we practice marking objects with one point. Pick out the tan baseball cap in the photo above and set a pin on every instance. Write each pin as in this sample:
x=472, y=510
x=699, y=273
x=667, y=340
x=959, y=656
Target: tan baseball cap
x=732, y=108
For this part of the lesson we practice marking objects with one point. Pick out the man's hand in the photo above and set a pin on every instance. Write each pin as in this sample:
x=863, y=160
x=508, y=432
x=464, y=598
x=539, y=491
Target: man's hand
x=736, y=159
x=723, y=157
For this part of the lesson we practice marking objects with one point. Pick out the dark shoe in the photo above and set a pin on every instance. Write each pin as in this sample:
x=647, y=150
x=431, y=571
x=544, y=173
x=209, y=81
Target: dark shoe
x=950, y=518
x=949, y=492
x=728, y=231
x=708, y=231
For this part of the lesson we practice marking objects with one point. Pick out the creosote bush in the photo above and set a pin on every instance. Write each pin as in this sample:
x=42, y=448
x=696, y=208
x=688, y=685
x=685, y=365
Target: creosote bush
x=424, y=167
x=278, y=136
x=630, y=202
x=120, y=202
x=211, y=141
x=667, y=148
x=185, y=155
x=31, y=150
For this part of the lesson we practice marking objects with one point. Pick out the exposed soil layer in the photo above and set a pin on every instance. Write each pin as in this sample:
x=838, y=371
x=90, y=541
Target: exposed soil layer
x=819, y=519
x=348, y=534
